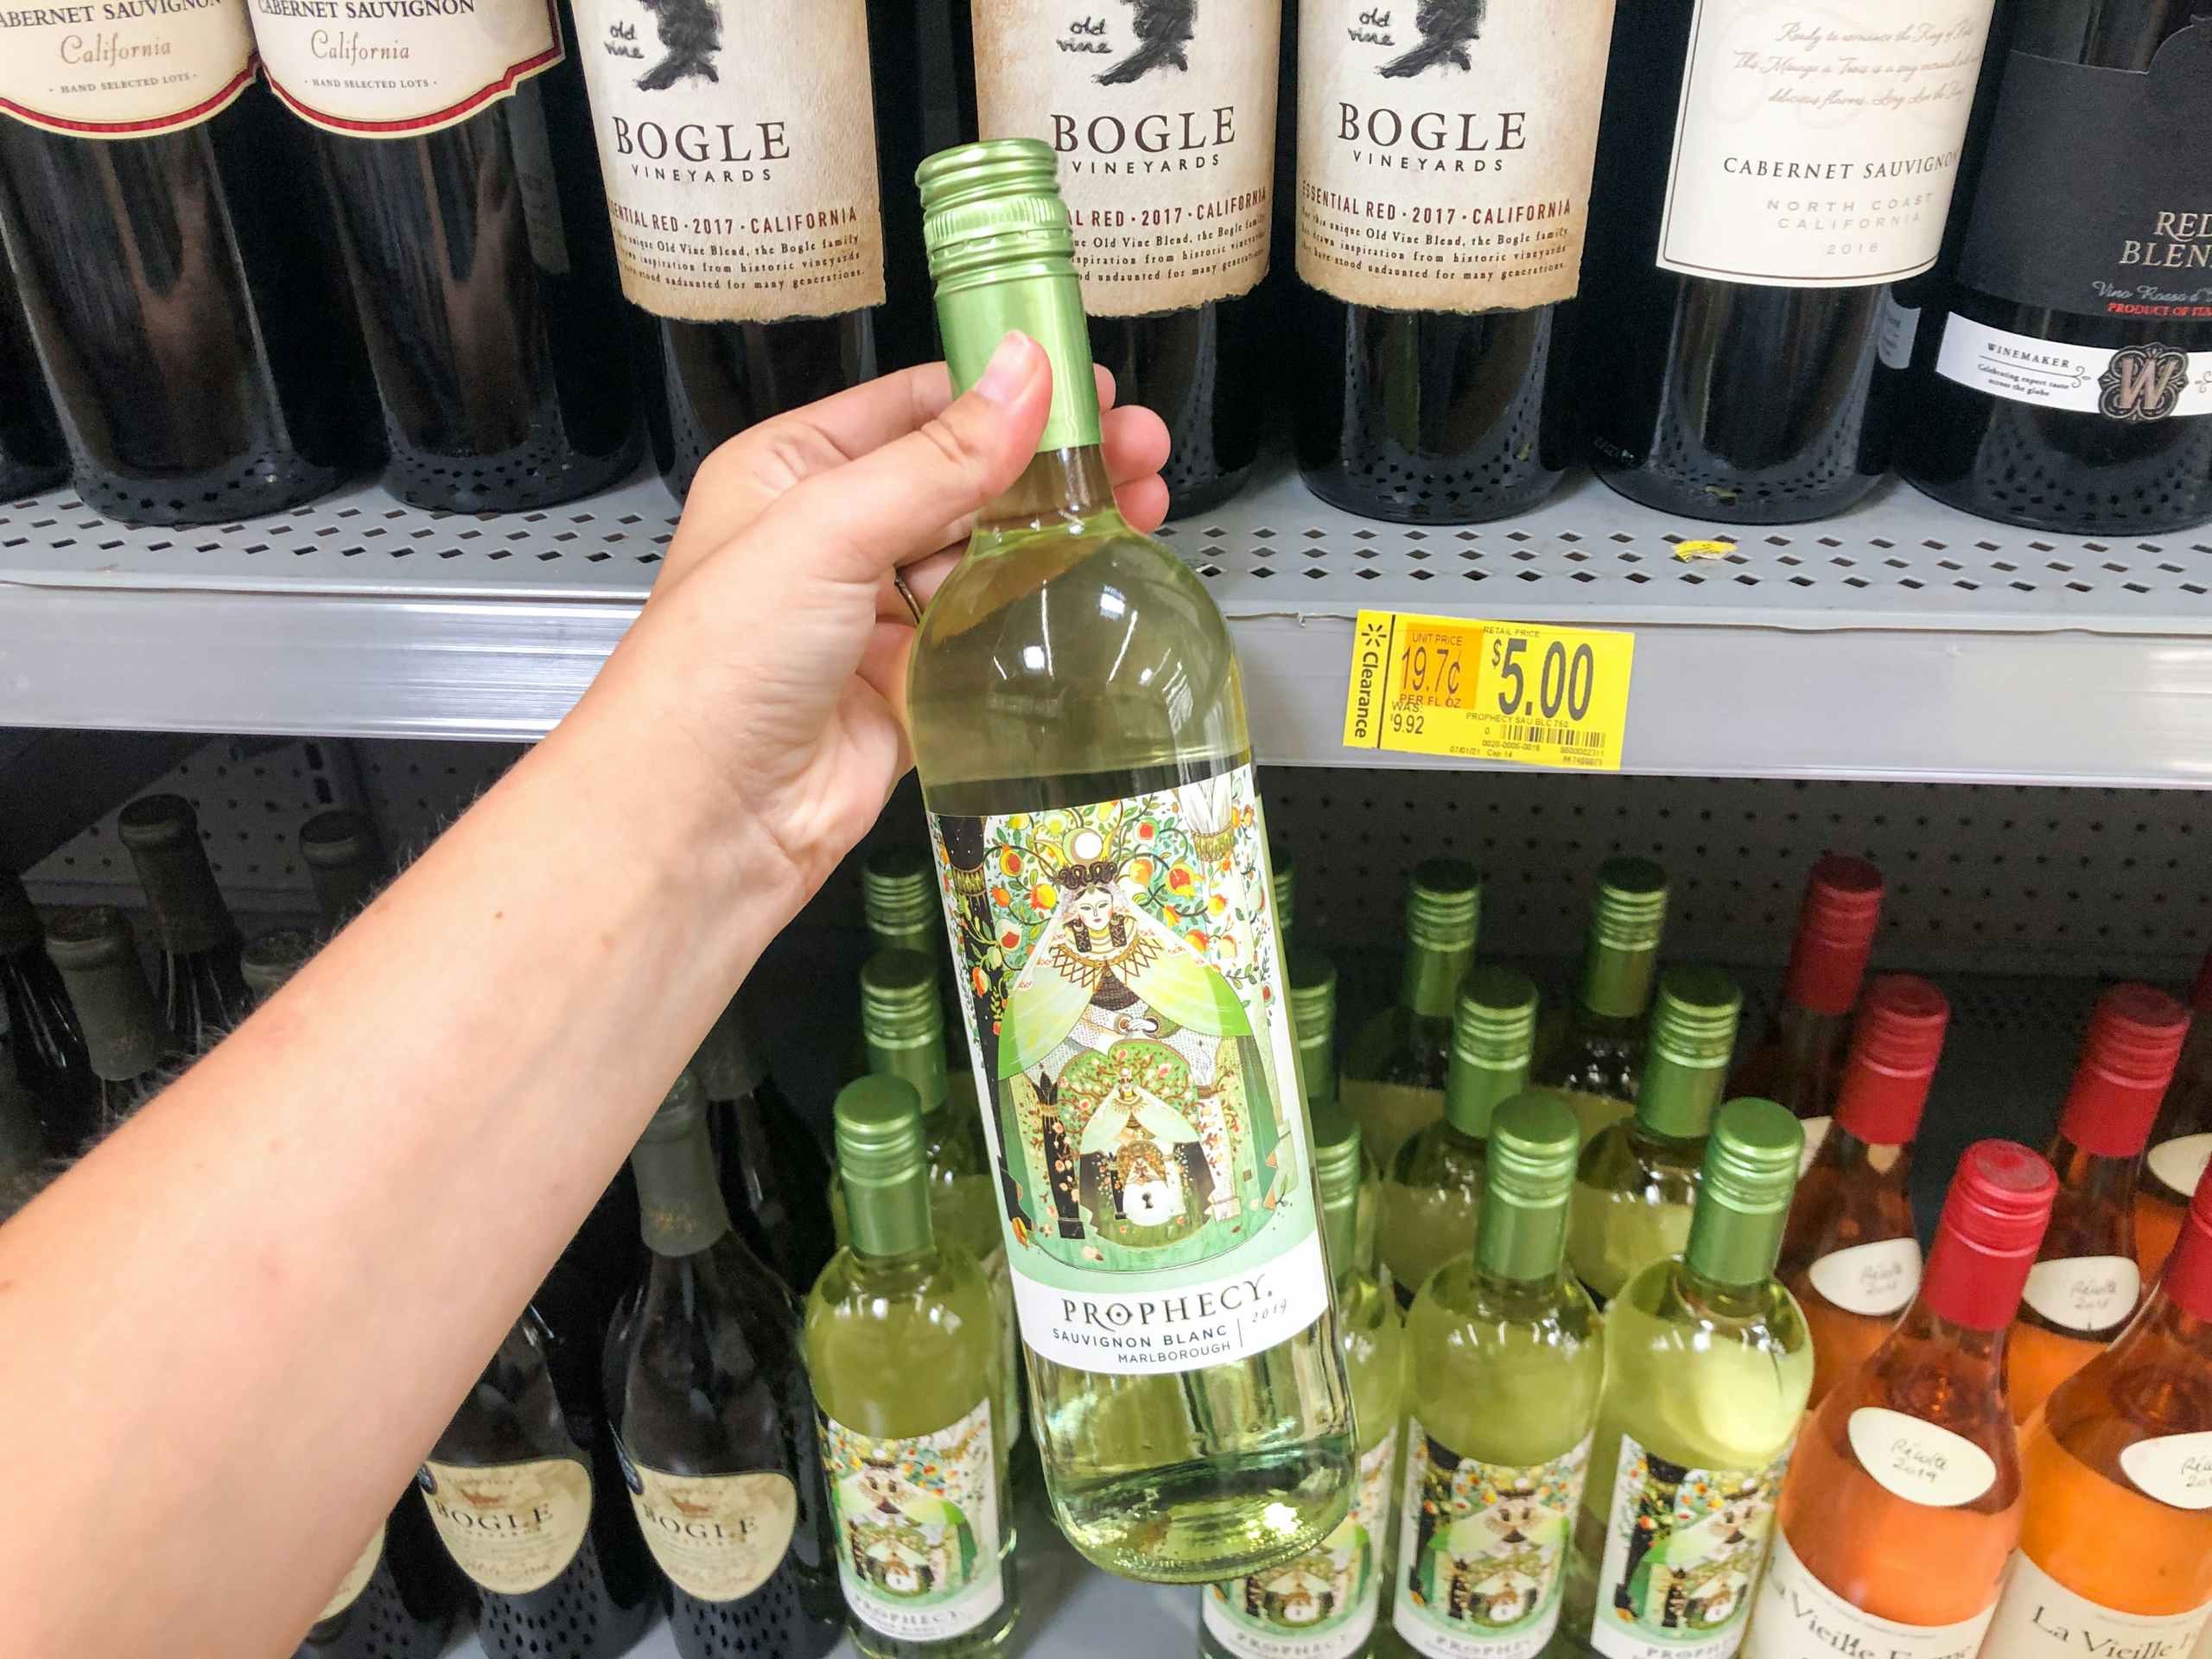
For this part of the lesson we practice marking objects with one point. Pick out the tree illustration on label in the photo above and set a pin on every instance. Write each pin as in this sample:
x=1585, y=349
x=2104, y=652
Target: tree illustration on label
x=692, y=31
x=1489, y=1541
x=1447, y=28
x=1163, y=28
x=1695, y=1541
x=917, y=1521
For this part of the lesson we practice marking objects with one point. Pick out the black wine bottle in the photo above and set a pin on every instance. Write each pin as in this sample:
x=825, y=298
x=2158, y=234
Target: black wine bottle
x=2062, y=374
x=771, y=1165
x=1434, y=385
x=270, y=959
x=25, y=1163
x=31, y=456
x=131, y=1052
x=51, y=1062
x=468, y=200
x=1735, y=278
x=345, y=861
x=398, y=1600
x=203, y=994
x=714, y=1417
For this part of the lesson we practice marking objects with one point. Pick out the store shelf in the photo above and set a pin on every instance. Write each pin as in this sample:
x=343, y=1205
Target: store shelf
x=1899, y=640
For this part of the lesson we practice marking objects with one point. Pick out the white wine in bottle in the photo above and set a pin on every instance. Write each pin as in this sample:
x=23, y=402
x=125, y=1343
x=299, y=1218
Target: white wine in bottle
x=1079, y=728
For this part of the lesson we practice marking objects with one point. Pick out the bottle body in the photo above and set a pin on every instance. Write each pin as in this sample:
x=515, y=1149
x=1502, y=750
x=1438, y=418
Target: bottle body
x=48, y=1048
x=31, y=453
x=399, y=1600
x=1592, y=1052
x=773, y=1172
x=1634, y=1194
x=2175, y=1158
x=1850, y=1256
x=1428, y=1204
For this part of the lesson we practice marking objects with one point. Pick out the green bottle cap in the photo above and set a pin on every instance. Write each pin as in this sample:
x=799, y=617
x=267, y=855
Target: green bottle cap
x=1528, y=1176
x=20, y=928
x=1313, y=996
x=1443, y=905
x=1744, y=1193
x=899, y=891
x=1626, y=919
x=1493, y=1033
x=271, y=959
x=97, y=956
x=163, y=834
x=1338, y=1164
x=884, y=1166
x=1685, y=1064
x=345, y=861
x=1002, y=255
x=1283, y=882
x=681, y=1211
x=902, y=1022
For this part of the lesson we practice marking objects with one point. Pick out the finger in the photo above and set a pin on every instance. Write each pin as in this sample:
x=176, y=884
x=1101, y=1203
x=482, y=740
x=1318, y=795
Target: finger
x=1136, y=444
x=923, y=578
x=1143, y=503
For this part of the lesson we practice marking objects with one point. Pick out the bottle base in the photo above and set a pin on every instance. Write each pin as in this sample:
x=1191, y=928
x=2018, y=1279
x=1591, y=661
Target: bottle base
x=246, y=492
x=1205, y=494
x=1412, y=505
x=1961, y=494
x=1751, y=506
x=518, y=481
x=1201, y=1522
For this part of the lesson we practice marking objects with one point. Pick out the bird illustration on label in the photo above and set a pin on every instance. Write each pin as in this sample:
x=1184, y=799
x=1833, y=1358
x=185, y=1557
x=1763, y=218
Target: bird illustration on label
x=1447, y=28
x=1163, y=28
x=692, y=31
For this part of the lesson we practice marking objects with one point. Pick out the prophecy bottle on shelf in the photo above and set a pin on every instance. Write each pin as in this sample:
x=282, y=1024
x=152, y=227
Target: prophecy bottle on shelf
x=903, y=1341
x=1707, y=1367
x=1396, y=1067
x=900, y=902
x=2062, y=376
x=1735, y=285
x=31, y=452
x=129, y=1049
x=203, y=995
x=1434, y=1185
x=1799, y=1062
x=346, y=863
x=43, y=1039
x=2181, y=1142
x=1850, y=1255
x=772, y=1165
x=1105, y=853
x=1635, y=1188
x=1434, y=388
x=1593, y=1051
x=2084, y=1285
x=1312, y=1005
x=1903, y=1502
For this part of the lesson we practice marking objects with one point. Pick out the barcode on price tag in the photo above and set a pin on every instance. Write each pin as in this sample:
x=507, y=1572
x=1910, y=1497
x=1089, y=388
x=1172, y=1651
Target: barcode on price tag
x=1521, y=691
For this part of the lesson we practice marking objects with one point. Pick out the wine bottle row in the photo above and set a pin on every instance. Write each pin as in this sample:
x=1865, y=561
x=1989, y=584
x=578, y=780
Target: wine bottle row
x=1741, y=264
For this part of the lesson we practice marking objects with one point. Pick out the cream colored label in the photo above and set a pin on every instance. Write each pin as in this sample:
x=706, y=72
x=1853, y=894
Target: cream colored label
x=395, y=68
x=122, y=68
x=1800, y=1618
x=2038, y=1617
x=1919, y=1461
x=1164, y=119
x=2085, y=1292
x=1320, y=1604
x=1876, y=1280
x=1817, y=1133
x=738, y=146
x=511, y=1526
x=1816, y=148
x=356, y=1579
x=2175, y=1469
x=919, y=1541
x=718, y=1537
x=2179, y=1163
x=1444, y=152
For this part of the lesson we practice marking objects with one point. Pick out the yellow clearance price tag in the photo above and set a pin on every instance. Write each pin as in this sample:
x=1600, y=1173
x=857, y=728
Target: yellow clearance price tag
x=1521, y=691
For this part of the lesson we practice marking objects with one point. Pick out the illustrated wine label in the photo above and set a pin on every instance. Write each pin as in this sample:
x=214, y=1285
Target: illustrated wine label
x=2085, y=1292
x=104, y=69
x=917, y=1522
x=2038, y=1617
x=511, y=1526
x=2179, y=1164
x=1817, y=1133
x=1919, y=1461
x=719, y=218
x=2131, y=383
x=1877, y=1280
x=1126, y=1003
x=2175, y=1469
x=356, y=1579
x=396, y=69
x=1483, y=1547
x=1800, y=1618
x=1388, y=1114
x=1444, y=152
x=1321, y=1604
x=718, y=1537
x=1683, y=1550
x=1819, y=149
x=1164, y=119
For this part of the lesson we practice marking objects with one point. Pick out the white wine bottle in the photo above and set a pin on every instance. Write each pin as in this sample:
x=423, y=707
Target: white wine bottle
x=1078, y=723
x=1396, y=1065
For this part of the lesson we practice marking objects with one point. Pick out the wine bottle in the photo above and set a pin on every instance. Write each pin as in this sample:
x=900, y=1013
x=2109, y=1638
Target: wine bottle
x=1396, y=1067
x=904, y=912
x=1505, y=1372
x=1707, y=1367
x=2084, y=1285
x=31, y=454
x=1635, y=1188
x=1850, y=1256
x=203, y=993
x=346, y=861
x=43, y=1038
x=2063, y=377
x=2181, y=1142
x=1434, y=1185
x=1593, y=1052
x=770, y=1161
x=1312, y=1005
x=25, y=1166
x=1106, y=853
x=2116, y=1547
x=1799, y=1062
x=1282, y=888
x=1912, y=1463
x=1324, y=1605
x=904, y=1341
x=174, y=267
x=269, y=961
x=1435, y=389
x=1164, y=119
x=130, y=1050
x=1734, y=288
x=476, y=241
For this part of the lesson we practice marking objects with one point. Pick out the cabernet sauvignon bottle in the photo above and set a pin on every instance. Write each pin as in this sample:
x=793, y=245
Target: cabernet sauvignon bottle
x=48, y=1048
x=31, y=456
x=1755, y=203
x=203, y=993
x=132, y=1053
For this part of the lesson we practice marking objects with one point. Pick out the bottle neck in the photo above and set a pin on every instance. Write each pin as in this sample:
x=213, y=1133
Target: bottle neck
x=1973, y=1367
x=887, y=1217
x=918, y=1056
x=343, y=891
x=189, y=913
x=1430, y=982
x=1474, y=1090
x=923, y=941
x=2187, y=1281
x=1519, y=1247
x=1675, y=1101
x=1810, y=1041
x=1317, y=1069
x=1340, y=1229
x=680, y=1203
x=1617, y=979
x=2096, y=1199
x=1044, y=299
x=123, y=1036
x=1731, y=1251
x=1967, y=1286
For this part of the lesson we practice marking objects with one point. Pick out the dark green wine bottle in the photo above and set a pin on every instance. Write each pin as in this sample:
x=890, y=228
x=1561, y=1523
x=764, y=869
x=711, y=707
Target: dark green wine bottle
x=49, y=1050
x=202, y=993
x=346, y=861
x=131, y=1050
x=773, y=1168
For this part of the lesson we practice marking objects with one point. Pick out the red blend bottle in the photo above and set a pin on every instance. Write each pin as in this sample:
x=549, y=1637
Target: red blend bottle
x=202, y=993
x=31, y=456
x=47, y=1047
x=1850, y=1255
x=2181, y=1142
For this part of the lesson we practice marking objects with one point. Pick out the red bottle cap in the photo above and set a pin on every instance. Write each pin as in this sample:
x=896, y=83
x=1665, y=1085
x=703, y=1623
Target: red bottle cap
x=1835, y=934
x=2128, y=1060
x=1993, y=1220
x=2189, y=1269
x=1894, y=1048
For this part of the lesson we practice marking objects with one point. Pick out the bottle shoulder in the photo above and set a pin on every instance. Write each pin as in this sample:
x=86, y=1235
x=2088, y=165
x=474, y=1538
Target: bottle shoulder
x=1438, y=1156
x=1393, y=1048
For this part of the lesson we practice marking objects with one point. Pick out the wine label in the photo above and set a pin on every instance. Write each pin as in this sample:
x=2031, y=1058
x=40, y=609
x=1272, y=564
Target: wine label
x=1485, y=1549
x=1800, y=1618
x=398, y=68
x=2085, y=1292
x=722, y=219
x=718, y=1537
x=1895, y=330
x=356, y=1579
x=1877, y=1280
x=2135, y=382
x=2179, y=1164
x=511, y=1526
x=2175, y=1469
x=1388, y=1114
x=1164, y=119
x=1321, y=1604
x=110, y=69
x=917, y=1523
x=1444, y=152
x=1819, y=150
x=1144, y=1116
x=1817, y=1133
x=1919, y=1461
x=1683, y=1550
x=2038, y=1617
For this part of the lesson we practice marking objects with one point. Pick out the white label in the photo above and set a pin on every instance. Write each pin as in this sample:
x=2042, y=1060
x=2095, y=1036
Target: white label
x=2179, y=1163
x=113, y=70
x=406, y=69
x=1164, y=119
x=1800, y=1618
x=2085, y=1292
x=1817, y=149
x=718, y=1537
x=1876, y=1280
x=356, y=1579
x=2137, y=383
x=2038, y=1617
x=1816, y=1134
x=1444, y=152
x=1919, y=1461
x=918, y=1527
x=1320, y=1604
x=737, y=147
x=1895, y=329
x=2175, y=1469
x=511, y=1526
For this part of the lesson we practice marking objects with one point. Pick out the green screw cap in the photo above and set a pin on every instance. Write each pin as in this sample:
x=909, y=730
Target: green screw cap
x=898, y=1000
x=898, y=889
x=1337, y=1156
x=1284, y=884
x=271, y=959
x=1629, y=912
x=1494, y=1022
x=1443, y=905
x=1534, y=1141
x=1694, y=1021
x=879, y=1131
x=1313, y=992
x=1751, y=1162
